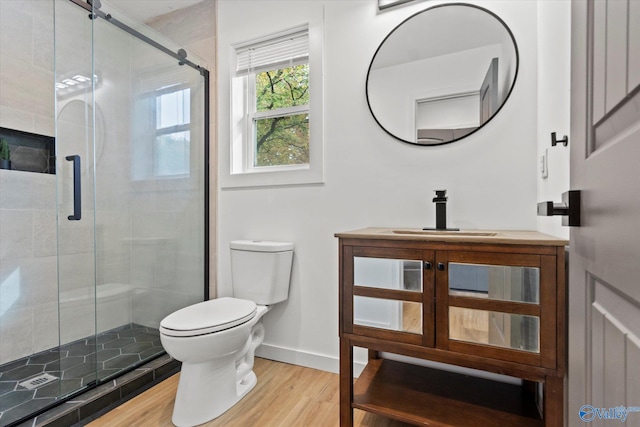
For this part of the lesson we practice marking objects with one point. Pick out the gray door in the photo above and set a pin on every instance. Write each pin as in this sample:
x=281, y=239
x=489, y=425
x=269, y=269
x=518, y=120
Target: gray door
x=604, y=276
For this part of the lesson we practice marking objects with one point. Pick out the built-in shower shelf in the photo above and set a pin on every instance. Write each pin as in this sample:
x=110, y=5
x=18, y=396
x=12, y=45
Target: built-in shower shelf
x=30, y=152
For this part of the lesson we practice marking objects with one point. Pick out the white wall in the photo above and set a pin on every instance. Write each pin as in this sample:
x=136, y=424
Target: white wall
x=554, y=43
x=371, y=179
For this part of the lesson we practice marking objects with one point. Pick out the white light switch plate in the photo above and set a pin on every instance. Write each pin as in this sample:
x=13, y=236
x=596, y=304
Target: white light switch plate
x=544, y=164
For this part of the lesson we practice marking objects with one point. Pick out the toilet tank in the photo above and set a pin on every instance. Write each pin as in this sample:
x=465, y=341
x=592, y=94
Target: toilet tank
x=261, y=270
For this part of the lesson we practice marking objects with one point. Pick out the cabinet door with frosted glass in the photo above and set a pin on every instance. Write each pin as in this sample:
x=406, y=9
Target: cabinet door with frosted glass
x=389, y=294
x=497, y=305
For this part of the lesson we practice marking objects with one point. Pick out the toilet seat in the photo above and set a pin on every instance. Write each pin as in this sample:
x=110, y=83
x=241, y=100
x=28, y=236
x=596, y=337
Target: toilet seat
x=208, y=317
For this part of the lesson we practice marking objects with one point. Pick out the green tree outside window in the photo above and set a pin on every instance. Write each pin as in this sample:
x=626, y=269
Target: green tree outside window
x=282, y=130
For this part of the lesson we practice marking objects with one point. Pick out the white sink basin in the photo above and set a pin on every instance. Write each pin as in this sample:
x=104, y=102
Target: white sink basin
x=444, y=233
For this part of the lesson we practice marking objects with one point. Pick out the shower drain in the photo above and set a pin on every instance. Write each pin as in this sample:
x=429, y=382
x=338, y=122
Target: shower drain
x=37, y=381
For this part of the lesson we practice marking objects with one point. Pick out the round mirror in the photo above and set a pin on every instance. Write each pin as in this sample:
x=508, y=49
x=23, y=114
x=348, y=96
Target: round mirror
x=442, y=74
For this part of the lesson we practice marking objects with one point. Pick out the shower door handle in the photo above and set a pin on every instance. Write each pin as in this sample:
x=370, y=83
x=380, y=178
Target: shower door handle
x=77, y=191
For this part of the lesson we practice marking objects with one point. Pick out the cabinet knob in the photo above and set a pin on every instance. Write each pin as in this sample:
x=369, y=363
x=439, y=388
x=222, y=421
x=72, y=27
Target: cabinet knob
x=427, y=265
x=441, y=266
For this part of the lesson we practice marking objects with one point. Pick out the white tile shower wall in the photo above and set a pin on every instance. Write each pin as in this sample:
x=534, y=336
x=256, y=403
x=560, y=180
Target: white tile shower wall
x=17, y=332
x=28, y=269
x=166, y=267
x=26, y=66
x=370, y=178
x=29, y=244
x=27, y=200
x=169, y=266
x=163, y=266
x=113, y=51
x=194, y=28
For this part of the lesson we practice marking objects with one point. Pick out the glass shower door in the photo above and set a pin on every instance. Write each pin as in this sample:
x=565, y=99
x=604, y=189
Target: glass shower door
x=131, y=135
x=76, y=238
x=149, y=178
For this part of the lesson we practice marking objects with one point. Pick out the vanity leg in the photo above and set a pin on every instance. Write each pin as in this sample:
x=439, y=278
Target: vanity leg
x=346, y=383
x=553, y=401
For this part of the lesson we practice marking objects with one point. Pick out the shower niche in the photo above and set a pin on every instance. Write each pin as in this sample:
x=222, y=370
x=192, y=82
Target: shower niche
x=28, y=152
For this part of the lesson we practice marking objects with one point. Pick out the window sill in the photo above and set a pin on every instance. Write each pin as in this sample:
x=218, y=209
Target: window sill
x=272, y=178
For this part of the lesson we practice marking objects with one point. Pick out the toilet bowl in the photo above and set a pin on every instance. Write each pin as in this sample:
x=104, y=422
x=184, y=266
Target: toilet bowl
x=216, y=340
x=217, y=354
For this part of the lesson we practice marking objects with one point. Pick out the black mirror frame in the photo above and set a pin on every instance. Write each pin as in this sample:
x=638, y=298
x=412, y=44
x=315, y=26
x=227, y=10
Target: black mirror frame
x=515, y=77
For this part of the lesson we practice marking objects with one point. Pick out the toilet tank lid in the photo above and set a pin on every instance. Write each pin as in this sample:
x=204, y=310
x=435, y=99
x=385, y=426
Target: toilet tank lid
x=261, y=246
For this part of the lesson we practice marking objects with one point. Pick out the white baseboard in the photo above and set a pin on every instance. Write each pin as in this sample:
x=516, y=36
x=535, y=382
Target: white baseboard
x=307, y=359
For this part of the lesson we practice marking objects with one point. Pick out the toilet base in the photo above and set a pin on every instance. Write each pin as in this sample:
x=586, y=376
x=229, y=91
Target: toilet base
x=205, y=393
x=207, y=389
x=247, y=385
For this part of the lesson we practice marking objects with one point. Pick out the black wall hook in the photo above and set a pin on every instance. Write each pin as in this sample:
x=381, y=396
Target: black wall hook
x=555, y=141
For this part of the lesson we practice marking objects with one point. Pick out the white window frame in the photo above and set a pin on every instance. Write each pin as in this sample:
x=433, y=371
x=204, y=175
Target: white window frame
x=238, y=171
x=148, y=84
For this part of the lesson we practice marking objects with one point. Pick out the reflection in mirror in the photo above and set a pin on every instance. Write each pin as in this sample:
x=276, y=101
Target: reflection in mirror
x=387, y=273
x=498, y=282
x=394, y=315
x=494, y=328
x=429, y=85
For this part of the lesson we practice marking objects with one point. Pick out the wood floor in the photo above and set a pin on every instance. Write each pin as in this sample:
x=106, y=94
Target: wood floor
x=286, y=395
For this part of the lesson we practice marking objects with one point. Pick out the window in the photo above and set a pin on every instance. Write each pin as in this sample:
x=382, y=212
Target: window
x=279, y=117
x=272, y=110
x=162, y=126
x=171, y=150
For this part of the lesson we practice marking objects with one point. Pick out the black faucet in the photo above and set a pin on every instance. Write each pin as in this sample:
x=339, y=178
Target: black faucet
x=441, y=211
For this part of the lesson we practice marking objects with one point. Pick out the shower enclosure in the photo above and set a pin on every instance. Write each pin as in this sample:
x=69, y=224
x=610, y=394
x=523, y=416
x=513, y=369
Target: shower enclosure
x=94, y=256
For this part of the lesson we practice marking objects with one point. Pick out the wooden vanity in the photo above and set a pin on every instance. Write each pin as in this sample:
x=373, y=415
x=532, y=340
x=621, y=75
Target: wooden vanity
x=493, y=301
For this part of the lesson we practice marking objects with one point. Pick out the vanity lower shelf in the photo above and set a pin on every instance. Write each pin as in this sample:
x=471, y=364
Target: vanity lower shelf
x=425, y=396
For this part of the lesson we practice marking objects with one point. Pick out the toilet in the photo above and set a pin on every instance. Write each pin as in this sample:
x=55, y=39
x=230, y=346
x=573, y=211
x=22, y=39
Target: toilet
x=215, y=340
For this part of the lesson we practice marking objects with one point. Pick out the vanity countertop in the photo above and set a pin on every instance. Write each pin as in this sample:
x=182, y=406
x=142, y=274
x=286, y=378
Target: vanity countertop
x=512, y=237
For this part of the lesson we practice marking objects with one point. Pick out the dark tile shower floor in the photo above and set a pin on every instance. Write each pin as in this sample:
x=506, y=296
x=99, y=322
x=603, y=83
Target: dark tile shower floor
x=74, y=366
